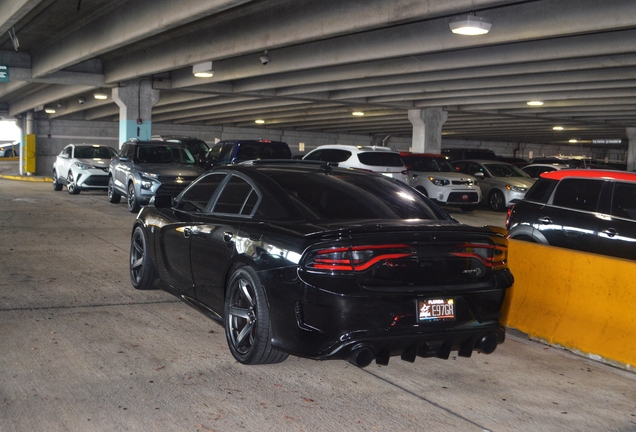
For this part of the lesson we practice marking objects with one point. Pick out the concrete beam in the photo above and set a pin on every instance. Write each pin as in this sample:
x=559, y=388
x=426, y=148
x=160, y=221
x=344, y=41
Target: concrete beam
x=13, y=11
x=45, y=96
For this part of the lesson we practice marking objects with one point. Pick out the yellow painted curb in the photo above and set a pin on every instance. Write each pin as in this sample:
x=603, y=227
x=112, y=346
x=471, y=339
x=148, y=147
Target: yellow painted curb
x=27, y=178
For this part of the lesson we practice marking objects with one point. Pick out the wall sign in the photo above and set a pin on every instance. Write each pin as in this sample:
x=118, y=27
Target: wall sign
x=4, y=73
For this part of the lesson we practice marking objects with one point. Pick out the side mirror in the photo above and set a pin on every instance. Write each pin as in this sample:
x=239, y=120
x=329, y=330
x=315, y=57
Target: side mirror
x=163, y=201
x=479, y=174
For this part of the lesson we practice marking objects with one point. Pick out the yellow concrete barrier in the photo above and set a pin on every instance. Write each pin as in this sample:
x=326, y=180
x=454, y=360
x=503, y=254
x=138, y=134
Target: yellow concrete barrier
x=582, y=302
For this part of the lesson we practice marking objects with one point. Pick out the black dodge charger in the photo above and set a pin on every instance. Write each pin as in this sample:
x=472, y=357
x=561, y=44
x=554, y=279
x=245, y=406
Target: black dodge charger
x=303, y=258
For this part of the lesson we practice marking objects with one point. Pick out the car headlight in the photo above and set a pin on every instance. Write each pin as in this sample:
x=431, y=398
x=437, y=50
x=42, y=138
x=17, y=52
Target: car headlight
x=83, y=166
x=516, y=188
x=148, y=179
x=439, y=181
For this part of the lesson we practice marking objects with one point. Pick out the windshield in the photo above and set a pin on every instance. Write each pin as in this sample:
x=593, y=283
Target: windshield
x=158, y=154
x=94, y=152
x=428, y=164
x=505, y=170
x=343, y=196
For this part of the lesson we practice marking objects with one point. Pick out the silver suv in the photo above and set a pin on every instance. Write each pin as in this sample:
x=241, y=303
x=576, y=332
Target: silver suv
x=142, y=168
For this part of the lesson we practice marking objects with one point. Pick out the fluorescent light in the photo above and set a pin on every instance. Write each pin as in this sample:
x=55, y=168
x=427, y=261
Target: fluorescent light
x=557, y=128
x=203, y=70
x=573, y=141
x=100, y=95
x=470, y=25
x=535, y=103
x=49, y=110
x=357, y=113
x=259, y=121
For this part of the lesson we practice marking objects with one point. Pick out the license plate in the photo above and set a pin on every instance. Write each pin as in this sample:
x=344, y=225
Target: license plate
x=436, y=310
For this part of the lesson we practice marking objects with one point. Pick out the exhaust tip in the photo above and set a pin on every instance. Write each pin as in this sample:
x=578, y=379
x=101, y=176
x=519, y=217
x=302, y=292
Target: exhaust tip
x=487, y=344
x=362, y=357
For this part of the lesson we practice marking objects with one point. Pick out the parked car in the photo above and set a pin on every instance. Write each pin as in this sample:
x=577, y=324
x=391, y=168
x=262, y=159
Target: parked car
x=516, y=161
x=196, y=146
x=142, y=168
x=453, y=154
x=236, y=151
x=82, y=167
x=587, y=210
x=321, y=262
x=535, y=170
x=10, y=150
x=370, y=158
x=502, y=184
x=436, y=178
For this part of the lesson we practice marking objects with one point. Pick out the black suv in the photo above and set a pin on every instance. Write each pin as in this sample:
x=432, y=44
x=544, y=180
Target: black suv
x=197, y=147
x=235, y=151
x=141, y=169
x=587, y=210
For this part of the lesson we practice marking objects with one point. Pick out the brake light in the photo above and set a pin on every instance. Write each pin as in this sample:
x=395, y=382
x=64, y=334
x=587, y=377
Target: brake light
x=494, y=256
x=358, y=258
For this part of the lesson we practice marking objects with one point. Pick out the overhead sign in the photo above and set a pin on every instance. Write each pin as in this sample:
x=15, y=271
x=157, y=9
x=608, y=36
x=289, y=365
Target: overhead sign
x=607, y=141
x=4, y=73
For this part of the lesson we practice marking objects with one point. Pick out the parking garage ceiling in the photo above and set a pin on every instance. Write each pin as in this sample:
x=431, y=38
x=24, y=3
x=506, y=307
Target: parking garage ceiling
x=330, y=58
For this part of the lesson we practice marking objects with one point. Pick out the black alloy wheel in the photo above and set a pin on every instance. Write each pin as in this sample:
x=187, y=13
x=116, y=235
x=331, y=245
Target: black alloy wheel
x=247, y=325
x=57, y=186
x=71, y=187
x=497, y=201
x=142, y=269
x=113, y=196
x=133, y=205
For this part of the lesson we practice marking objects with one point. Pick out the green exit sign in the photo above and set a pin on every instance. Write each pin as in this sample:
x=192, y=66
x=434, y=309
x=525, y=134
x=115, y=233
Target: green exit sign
x=4, y=73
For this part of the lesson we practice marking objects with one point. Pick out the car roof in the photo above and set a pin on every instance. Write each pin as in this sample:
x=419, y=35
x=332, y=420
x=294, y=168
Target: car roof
x=553, y=165
x=483, y=161
x=436, y=155
x=590, y=173
x=355, y=148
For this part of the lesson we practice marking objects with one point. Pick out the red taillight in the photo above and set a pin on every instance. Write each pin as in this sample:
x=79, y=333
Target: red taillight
x=405, y=172
x=358, y=258
x=508, y=216
x=489, y=255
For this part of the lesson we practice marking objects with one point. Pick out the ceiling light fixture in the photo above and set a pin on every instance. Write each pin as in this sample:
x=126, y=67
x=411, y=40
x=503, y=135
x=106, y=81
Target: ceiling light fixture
x=357, y=113
x=259, y=121
x=573, y=141
x=100, y=95
x=535, y=103
x=49, y=110
x=203, y=70
x=470, y=25
x=557, y=128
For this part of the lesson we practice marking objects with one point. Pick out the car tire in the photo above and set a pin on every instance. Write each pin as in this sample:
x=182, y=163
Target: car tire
x=57, y=186
x=113, y=196
x=142, y=269
x=497, y=201
x=247, y=324
x=71, y=187
x=468, y=208
x=133, y=204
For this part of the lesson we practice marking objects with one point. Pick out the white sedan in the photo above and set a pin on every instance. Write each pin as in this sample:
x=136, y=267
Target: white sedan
x=82, y=167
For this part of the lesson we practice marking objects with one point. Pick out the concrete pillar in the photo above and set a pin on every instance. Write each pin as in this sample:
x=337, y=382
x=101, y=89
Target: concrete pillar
x=135, y=102
x=427, y=129
x=631, y=149
x=26, y=127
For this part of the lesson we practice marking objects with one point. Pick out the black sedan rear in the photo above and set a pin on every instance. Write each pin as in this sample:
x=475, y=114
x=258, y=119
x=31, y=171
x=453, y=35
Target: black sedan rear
x=306, y=259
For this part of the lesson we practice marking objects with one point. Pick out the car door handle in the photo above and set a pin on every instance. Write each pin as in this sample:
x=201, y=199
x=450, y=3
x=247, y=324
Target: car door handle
x=545, y=220
x=610, y=232
x=227, y=236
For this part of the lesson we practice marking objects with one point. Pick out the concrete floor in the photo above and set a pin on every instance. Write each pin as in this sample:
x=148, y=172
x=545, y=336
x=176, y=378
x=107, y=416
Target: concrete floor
x=81, y=350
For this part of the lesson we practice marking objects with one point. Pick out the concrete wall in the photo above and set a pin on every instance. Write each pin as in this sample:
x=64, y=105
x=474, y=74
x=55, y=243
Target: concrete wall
x=580, y=301
x=53, y=135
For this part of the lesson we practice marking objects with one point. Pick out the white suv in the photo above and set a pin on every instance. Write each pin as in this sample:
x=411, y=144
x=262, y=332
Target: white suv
x=371, y=158
x=436, y=178
x=82, y=167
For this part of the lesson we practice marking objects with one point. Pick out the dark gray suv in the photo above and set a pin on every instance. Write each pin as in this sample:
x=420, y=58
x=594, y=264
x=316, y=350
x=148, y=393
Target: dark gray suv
x=142, y=168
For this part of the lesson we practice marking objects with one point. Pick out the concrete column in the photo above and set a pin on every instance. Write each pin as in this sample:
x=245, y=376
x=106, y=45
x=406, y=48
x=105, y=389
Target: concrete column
x=135, y=102
x=427, y=129
x=26, y=127
x=631, y=149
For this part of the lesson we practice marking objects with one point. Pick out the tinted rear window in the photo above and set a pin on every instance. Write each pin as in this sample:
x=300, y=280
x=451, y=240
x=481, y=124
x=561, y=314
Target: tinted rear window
x=381, y=159
x=250, y=151
x=428, y=164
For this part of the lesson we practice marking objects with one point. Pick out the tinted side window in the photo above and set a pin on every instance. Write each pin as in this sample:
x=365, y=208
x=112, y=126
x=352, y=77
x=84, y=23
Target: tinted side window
x=196, y=198
x=226, y=153
x=541, y=190
x=624, y=201
x=68, y=150
x=215, y=152
x=315, y=155
x=335, y=155
x=578, y=194
x=237, y=197
x=381, y=159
